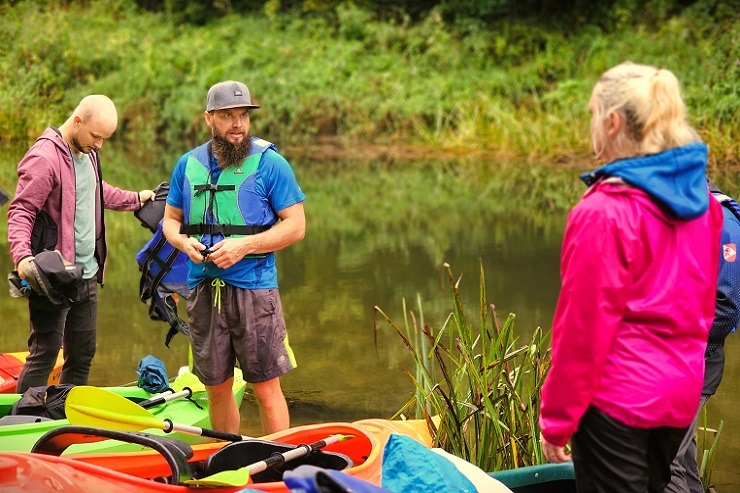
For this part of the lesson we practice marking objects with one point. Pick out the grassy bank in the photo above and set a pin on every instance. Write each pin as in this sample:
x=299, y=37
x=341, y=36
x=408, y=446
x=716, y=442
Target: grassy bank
x=513, y=89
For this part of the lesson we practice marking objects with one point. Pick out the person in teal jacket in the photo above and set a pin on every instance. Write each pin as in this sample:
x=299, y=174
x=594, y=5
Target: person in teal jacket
x=233, y=202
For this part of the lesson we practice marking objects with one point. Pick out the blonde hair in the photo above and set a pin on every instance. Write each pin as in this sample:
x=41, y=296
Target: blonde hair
x=650, y=101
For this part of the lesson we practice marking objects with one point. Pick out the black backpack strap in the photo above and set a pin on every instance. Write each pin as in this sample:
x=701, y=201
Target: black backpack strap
x=102, y=255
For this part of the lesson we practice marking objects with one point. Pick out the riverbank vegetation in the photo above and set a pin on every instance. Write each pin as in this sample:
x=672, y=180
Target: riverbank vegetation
x=498, y=78
x=477, y=386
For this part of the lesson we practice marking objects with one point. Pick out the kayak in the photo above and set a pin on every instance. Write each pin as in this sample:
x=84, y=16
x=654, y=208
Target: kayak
x=544, y=478
x=11, y=365
x=178, y=468
x=145, y=471
x=21, y=432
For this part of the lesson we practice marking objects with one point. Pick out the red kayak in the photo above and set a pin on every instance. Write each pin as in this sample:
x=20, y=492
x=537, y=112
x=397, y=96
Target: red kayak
x=169, y=467
x=11, y=365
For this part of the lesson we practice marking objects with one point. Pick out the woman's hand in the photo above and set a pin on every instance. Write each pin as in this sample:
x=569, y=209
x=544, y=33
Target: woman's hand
x=553, y=453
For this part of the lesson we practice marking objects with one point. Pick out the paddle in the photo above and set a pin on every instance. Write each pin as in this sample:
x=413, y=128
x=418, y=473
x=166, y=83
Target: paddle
x=162, y=398
x=240, y=477
x=100, y=408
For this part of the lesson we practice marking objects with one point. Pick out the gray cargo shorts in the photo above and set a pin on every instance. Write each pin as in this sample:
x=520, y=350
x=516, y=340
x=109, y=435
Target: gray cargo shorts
x=229, y=324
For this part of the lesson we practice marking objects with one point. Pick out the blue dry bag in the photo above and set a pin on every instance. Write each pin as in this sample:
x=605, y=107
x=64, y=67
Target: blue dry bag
x=152, y=375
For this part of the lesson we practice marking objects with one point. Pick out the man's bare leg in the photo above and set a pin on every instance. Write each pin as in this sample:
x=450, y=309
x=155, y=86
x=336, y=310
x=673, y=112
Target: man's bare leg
x=272, y=405
x=222, y=407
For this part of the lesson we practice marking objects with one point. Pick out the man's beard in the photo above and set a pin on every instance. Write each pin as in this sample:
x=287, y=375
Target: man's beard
x=80, y=148
x=228, y=154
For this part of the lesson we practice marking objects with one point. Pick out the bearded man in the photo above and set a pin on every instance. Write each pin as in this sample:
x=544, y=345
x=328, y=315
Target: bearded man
x=233, y=202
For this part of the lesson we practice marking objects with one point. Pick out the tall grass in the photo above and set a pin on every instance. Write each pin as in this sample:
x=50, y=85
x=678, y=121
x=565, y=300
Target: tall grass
x=476, y=385
x=478, y=388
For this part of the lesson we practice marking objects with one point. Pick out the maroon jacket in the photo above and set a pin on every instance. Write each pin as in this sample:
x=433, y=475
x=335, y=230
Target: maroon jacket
x=46, y=182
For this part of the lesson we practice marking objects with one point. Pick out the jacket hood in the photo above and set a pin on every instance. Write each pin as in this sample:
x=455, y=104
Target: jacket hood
x=676, y=178
x=53, y=135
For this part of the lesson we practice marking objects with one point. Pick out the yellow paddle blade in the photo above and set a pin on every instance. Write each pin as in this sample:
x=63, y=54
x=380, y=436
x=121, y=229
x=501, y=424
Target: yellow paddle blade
x=236, y=477
x=93, y=406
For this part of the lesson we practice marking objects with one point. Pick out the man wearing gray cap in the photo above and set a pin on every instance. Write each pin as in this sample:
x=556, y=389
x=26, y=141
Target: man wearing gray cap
x=233, y=202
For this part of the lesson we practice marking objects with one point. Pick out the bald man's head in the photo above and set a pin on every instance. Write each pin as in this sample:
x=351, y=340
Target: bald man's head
x=98, y=110
x=94, y=120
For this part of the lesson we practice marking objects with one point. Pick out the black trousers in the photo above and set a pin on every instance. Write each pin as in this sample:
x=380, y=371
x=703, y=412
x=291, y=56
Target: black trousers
x=50, y=329
x=609, y=456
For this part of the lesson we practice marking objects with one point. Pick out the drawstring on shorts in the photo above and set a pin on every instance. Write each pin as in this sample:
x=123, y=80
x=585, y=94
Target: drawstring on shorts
x=217, y=283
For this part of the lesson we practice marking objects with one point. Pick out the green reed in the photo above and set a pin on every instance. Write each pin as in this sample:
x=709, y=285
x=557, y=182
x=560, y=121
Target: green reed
x=707, y=440
x=476, y=385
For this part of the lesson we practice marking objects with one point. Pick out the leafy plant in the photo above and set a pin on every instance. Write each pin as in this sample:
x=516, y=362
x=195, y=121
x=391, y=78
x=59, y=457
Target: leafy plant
x=476, y=386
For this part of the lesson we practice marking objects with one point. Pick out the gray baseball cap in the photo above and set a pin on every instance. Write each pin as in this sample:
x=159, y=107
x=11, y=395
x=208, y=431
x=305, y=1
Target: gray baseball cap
x=228, y=94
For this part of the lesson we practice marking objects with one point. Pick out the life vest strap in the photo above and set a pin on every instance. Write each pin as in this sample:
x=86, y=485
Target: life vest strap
x=152, y=256
x=222, y=229
x=210, y=187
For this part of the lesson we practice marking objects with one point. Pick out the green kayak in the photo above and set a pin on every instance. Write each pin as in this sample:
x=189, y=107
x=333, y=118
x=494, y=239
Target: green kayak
x=20, y=433
x=544, y=478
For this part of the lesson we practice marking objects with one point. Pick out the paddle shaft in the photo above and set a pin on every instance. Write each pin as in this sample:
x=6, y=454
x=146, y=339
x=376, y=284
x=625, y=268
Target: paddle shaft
x=240, y=477
x=162, y=398
x=169, y=427
x=278, y=459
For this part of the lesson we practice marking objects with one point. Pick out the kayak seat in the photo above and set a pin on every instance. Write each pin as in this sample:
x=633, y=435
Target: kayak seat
x=175, y=452
x=21, y=419
x=240, y=454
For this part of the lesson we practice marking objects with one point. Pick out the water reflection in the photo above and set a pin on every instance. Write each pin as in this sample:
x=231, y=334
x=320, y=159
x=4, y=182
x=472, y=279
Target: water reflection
x=377, y=234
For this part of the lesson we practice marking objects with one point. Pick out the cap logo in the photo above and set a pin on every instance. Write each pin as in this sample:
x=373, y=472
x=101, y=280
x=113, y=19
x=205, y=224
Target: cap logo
x=729, y=252
x=237, y=93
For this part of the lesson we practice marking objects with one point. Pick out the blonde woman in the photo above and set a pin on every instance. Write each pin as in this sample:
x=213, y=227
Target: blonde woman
x=639, y=275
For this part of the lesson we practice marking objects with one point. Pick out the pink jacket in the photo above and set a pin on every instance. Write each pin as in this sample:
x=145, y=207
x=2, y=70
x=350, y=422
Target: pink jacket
x=636, y=304
x=46, y=181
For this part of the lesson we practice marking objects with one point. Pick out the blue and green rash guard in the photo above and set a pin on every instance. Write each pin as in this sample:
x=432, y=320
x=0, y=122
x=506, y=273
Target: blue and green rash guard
x=264, y=185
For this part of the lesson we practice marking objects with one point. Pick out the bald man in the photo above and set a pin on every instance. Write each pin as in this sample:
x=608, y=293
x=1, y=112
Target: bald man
x=58, y=205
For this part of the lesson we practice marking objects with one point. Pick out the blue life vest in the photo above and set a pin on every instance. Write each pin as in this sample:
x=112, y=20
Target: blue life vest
x=164, y=275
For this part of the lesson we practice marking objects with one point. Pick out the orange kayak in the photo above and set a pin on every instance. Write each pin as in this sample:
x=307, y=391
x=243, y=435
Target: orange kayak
x=11, y=365
x=143, y=472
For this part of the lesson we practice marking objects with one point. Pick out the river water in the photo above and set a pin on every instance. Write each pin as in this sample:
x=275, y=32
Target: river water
x=351, y=261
